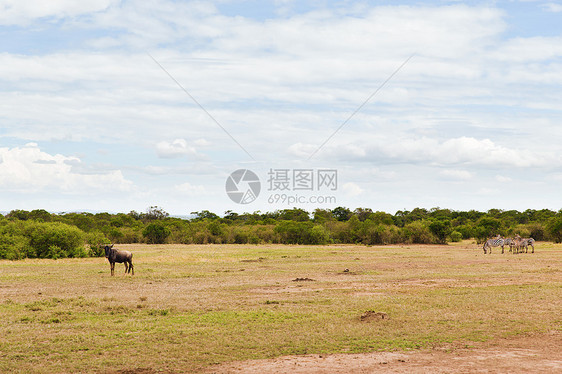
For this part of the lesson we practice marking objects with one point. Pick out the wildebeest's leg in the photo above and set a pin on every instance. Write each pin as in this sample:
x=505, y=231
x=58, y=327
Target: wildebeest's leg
x=131, y=268
x=126, y=267
x=112, y=264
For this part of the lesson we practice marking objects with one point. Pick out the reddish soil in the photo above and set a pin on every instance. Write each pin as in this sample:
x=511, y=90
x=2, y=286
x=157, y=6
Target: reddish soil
x=530, y=354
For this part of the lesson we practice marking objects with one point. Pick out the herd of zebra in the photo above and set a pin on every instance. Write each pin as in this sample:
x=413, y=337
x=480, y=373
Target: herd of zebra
x=516, y=244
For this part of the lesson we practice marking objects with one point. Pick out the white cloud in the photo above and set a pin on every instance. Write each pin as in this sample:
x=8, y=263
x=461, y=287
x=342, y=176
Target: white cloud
x=553, y=7
x=486, y=191
x=28, y=169
x=453, y=151
x=15, y=12
x=503, y=179
x=190, y=189
x=352, y=189
x=345, y=150
x=529, y=49
x=457, y=174
x=202, y=142
x=177, y=148
x=463, y=150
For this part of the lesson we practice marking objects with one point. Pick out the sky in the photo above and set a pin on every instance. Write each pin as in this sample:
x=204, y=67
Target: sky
x=119, y=105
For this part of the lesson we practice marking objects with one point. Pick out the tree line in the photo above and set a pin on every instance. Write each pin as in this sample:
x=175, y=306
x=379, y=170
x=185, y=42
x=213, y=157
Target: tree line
x=40, y=234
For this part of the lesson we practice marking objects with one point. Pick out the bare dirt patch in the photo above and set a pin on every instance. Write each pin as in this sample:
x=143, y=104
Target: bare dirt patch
x=371, y=315
x=531, y=354
x=137, y=371
x=303, y=280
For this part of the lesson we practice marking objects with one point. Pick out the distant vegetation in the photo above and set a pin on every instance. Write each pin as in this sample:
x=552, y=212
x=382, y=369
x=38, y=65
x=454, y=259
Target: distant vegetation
x=40, y=234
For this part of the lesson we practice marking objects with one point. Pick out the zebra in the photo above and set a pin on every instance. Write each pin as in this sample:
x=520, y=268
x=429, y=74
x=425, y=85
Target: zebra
x=530, y=242
x=498, y=241
x=510, y=242
x=521, y=243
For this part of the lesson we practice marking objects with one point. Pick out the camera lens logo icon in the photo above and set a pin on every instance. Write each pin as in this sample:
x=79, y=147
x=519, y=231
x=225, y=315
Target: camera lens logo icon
x=243, y=186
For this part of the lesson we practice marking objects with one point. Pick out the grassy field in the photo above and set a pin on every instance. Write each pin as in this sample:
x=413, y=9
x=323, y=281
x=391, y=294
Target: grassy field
x=189, y=307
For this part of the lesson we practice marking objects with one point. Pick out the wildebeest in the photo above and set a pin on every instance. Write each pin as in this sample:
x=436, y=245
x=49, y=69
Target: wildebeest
x=120, y=256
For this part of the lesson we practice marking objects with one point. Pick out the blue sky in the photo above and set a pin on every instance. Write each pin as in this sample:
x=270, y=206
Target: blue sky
x=88, y=121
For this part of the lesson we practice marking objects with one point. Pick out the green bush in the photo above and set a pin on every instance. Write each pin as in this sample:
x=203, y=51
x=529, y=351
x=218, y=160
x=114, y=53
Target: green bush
x=554, y=228
x=487, y=227
x=55, y=239
x=95, y=241
x=418, y=233
x=441, y=229
x=456, y=236
x=318, y=235
x=13, y=246
x=381, y=234
x=537, y=231
x=55, y=252
x=292, y=232
x=156, y=233
x=266, y=234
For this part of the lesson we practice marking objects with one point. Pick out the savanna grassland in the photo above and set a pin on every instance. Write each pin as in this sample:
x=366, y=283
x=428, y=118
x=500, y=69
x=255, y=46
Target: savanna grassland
x=191, y=307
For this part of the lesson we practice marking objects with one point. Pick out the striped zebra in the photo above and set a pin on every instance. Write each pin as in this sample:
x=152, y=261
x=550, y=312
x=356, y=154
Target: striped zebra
x=521, y=243
x=530, y=242
x=510, y=242
x=498, y=241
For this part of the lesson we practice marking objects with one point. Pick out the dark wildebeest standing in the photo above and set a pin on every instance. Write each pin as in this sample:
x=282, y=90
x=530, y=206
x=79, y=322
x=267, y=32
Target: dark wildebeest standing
x=120, y=256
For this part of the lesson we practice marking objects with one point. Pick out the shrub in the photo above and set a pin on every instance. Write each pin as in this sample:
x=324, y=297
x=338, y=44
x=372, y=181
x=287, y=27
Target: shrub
x=240, y=235
x=95, y=241
x=537, y=231
x=265, y=234
x=55, y=239
x=381, y=234
x=156, y=233
x=456, y=236
x=522, y=230
x=554, y=228
x=441, y=229
x=318, y=235
x=465, y=230
x=292, y=232
x=339, y=231
x=55, y=252
x=129, y=235
x=13, y=247
x=487, y=227
x=418, y=233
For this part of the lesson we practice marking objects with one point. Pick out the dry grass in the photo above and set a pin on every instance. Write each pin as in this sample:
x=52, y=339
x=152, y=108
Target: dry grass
x=188, y=307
